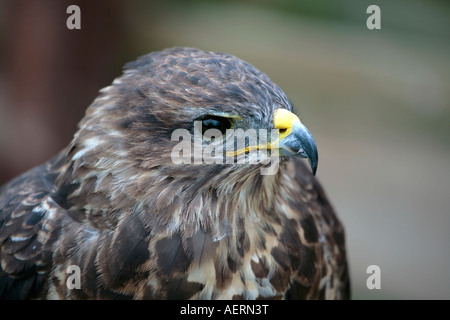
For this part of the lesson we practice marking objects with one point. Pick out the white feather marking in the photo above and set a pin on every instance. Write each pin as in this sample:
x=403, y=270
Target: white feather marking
x=103, y=98
x=106, y=89
x=89, y=144
x=39, y=209
x=18, y=239
x=114, y=133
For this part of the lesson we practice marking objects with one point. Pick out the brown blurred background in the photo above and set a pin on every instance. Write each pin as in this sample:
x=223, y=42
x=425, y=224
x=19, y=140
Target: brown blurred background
x=376, y=101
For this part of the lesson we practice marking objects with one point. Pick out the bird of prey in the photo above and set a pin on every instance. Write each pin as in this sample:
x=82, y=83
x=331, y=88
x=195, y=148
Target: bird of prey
x=136, y=224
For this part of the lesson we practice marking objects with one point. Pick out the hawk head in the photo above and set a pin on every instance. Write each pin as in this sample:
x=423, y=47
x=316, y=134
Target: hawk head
x=124, y=149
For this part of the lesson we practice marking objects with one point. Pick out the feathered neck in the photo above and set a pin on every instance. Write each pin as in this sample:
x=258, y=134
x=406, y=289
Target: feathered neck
x=170, y=198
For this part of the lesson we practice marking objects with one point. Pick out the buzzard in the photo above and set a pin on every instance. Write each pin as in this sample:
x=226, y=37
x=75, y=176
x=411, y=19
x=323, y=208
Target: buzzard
x=136, y=224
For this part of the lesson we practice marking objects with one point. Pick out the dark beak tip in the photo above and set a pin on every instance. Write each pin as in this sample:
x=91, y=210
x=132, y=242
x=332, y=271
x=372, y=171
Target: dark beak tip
x=313, y=166
x=301, y=143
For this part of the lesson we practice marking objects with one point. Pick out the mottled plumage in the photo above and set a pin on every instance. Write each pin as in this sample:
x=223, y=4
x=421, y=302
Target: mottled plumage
x=141, y=227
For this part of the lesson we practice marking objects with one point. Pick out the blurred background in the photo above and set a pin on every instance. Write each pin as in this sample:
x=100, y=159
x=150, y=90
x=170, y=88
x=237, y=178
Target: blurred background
x=376, y=101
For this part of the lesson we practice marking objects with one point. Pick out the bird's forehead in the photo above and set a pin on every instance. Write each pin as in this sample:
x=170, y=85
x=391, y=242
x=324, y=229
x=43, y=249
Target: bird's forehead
x=208, y=79
x=176, y=61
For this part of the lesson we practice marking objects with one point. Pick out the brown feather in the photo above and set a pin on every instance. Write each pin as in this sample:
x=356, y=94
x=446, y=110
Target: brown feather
x=142, y=227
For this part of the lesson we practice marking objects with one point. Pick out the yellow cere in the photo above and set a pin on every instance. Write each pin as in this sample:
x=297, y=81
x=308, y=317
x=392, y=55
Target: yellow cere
x=283, y=120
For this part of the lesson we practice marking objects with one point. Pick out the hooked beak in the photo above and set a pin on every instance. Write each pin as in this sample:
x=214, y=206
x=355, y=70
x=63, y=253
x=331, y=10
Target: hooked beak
x=295, y=139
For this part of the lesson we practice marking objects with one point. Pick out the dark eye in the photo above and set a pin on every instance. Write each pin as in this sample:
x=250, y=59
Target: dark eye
x=215, y=122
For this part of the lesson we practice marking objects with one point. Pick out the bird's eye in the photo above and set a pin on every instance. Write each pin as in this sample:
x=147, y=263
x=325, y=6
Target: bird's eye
x=215, y=122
